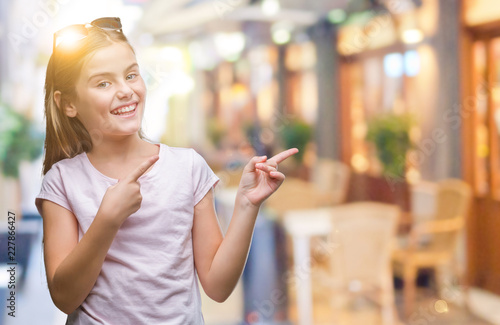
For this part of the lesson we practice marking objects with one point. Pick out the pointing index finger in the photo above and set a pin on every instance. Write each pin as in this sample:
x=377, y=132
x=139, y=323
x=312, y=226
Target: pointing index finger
x=284, y=155
x=139, y=171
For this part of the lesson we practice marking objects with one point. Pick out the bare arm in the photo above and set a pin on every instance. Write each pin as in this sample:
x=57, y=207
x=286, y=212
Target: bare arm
x=220, y=261
x=73, y=267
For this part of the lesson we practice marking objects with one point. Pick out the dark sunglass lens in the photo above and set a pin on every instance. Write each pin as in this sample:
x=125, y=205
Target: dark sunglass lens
x=108, y=23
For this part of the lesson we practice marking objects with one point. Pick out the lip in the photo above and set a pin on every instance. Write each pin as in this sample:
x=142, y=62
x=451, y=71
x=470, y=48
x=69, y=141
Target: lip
x=129, y=114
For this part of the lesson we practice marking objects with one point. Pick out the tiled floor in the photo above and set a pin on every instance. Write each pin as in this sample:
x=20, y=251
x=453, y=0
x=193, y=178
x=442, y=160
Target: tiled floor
x=365, y=313
x=429, y=310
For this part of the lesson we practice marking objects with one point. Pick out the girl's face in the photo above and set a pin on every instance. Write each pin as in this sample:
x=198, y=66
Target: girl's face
x=110, y=93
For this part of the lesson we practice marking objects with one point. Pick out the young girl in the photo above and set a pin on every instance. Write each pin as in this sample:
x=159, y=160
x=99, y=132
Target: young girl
x=129, y=225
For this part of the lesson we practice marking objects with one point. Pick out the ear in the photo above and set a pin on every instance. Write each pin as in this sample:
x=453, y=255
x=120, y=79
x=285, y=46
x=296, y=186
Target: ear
x=69, y=109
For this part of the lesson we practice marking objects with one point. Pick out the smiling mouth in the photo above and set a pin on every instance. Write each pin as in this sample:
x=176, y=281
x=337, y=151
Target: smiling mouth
x=127, y=110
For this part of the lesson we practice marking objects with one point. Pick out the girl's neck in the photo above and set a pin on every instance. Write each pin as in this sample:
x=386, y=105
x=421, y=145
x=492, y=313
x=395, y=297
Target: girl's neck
x=119, y=149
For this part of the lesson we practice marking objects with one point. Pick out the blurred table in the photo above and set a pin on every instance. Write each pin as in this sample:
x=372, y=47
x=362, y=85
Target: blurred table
x=302, y=225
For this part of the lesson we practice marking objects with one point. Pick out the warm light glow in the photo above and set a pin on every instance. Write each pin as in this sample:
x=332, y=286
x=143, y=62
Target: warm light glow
x=483, y=150
x=412, y=36
x=239, y=96
x=69, y=38
x=496, y=116
x=270, y=7
x=359, y=163
x=441, y=306
x=265, y=102
x=413, y=175
x=415, y=134
x=359, y=130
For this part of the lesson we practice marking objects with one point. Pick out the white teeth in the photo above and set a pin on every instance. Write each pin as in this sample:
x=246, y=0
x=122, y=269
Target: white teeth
x=124, y=110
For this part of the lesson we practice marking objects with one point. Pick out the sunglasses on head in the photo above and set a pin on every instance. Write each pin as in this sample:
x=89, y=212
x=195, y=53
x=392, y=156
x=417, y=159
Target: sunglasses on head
x=77, y=32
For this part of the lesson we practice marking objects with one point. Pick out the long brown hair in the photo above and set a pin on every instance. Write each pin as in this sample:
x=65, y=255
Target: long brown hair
x=66, y=136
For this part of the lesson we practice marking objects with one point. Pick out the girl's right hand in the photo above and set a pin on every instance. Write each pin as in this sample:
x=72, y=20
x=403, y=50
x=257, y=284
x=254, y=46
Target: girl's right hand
x=124, y=198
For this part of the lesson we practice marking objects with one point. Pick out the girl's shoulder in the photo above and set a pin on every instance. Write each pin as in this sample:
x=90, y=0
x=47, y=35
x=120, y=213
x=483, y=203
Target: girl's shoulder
x=68, y=163
x=183, y=155
x=73, y=160
x=179, y=151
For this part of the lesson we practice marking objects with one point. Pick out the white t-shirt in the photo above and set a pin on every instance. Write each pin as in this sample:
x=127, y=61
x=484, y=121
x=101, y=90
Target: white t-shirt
x=148, y=276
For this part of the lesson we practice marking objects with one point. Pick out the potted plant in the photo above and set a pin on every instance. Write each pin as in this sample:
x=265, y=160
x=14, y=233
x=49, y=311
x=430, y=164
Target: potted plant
x=296, y=133
x=390, y=135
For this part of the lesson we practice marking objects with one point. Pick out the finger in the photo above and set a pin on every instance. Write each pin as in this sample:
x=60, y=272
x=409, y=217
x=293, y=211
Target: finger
x=251, y=166
x=277, y=175
x=265, y=168
x=284, y=155
x=134, y=176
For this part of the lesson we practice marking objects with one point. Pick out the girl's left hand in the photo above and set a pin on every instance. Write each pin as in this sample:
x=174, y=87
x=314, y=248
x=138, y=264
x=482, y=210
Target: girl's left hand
x=261, y=177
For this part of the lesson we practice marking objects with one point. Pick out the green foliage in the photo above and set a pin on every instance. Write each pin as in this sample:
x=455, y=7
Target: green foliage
x=296, y=134
x=390, y=133
x=19, y=140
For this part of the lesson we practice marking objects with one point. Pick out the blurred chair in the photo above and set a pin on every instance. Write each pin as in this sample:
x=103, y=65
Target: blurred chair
x=332, y=178
x=361, y=244
x=328, y=186
x=423, y=197
x=432, y=241
x=423, y=200
x=295, y=194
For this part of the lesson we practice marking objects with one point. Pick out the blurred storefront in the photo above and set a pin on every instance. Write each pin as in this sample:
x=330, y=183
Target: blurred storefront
x=481, y=122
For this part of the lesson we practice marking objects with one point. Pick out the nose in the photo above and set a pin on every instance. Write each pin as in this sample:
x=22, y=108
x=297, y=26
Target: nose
x=124, y=91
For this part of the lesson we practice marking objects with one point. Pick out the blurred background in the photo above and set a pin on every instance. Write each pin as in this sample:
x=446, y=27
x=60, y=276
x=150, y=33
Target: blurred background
x=389, y=214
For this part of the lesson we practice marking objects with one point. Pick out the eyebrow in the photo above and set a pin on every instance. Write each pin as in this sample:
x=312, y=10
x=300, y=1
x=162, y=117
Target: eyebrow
x=103, y=74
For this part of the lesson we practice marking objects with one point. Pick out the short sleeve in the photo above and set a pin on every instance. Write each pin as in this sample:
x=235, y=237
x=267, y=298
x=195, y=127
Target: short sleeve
x=52, y=189
x=203, y=177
